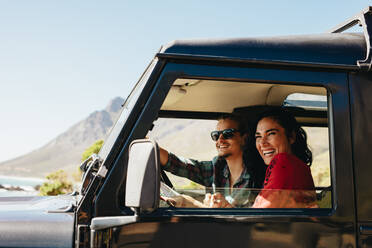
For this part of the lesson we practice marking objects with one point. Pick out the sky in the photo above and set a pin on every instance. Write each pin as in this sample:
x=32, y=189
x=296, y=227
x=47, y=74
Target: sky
x=62, y=60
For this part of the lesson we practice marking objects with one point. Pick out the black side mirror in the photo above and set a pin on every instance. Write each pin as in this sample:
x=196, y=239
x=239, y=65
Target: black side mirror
x=143, y=176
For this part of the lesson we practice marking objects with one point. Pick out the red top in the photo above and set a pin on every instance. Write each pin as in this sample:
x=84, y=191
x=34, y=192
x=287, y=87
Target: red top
x=287, y=171
x=288, y=184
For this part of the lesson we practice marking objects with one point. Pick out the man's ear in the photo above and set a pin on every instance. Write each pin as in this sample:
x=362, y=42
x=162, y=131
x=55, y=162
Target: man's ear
x=292, y=138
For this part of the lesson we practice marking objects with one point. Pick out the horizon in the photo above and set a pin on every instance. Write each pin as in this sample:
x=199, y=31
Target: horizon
x=62, y=61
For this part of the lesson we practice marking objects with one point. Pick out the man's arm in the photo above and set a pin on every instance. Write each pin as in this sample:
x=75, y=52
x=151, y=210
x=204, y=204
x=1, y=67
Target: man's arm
x=163, y=156
x=198, y=171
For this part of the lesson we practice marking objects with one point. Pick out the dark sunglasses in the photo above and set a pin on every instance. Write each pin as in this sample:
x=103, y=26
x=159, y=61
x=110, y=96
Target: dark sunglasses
x=227, y=134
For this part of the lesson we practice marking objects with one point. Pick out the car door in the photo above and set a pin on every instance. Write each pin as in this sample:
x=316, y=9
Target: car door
x=330, y=226
x=360, y=102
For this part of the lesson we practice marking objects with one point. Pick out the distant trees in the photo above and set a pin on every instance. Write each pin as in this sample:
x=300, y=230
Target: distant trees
x=95, y=148
x=92, y=149
x=58, y=182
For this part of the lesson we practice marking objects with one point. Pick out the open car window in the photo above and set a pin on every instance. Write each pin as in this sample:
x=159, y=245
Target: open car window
x=190, y=112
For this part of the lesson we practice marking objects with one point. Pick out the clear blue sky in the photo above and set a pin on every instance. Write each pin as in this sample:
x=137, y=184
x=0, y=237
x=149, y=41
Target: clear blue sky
x=62, y=60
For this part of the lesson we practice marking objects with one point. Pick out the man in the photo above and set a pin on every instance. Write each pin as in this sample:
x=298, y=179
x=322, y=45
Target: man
x=230, y=170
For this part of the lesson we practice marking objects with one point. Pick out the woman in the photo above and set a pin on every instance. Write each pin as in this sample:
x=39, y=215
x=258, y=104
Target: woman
x=282, y=144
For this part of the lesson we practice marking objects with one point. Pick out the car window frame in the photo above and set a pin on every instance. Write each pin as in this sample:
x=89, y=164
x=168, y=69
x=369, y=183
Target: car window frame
x=334, y=81
x=277, y=76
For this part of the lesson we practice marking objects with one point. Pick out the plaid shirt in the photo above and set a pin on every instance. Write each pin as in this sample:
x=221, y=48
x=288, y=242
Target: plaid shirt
x=214, y=172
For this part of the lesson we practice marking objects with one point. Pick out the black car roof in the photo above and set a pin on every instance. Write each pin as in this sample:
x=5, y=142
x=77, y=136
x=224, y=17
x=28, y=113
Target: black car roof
x=337, y=49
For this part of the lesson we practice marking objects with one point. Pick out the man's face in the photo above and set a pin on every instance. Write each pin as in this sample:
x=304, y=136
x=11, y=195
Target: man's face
x=232, y=147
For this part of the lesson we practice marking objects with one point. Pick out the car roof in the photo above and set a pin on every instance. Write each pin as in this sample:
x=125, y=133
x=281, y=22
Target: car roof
x=327, y=49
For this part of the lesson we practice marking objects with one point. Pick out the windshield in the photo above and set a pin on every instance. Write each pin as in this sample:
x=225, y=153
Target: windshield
x=125, y=111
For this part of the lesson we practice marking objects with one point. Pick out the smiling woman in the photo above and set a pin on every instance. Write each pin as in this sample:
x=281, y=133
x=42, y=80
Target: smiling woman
x=282, y=144
x=277, y=132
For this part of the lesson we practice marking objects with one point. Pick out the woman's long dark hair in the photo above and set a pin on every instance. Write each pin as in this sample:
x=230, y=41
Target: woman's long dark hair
x=285, y=119
x=251, y=158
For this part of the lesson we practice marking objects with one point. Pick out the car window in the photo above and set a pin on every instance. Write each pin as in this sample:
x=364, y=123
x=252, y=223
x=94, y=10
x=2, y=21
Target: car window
x=189, y=138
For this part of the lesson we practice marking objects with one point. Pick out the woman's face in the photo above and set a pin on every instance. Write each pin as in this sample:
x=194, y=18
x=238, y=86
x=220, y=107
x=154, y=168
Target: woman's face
x=271, y=139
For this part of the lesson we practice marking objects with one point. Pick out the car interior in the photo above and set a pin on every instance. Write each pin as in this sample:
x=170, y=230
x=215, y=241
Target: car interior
x=192, y=106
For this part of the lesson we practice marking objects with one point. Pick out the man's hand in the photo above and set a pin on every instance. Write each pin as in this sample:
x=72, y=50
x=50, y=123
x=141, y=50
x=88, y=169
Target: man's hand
x=216, y=201
x=210, y=201
x=183, y=201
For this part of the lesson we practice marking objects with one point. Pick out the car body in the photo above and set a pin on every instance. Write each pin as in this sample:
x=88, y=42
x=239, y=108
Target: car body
x=37, y=221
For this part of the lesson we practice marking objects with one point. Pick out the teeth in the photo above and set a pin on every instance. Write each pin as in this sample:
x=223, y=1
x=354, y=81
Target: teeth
x=265, y=153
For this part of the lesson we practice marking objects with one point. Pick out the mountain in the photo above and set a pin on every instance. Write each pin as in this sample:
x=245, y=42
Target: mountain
x=64, y=151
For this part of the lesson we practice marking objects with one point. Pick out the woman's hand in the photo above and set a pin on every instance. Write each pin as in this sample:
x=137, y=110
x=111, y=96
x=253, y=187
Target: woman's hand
x=216, y=201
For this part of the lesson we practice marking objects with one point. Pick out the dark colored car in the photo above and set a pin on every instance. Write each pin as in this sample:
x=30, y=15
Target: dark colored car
x=323, y=79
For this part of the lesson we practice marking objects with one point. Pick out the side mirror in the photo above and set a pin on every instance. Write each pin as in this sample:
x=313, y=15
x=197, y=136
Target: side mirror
x=143, y=175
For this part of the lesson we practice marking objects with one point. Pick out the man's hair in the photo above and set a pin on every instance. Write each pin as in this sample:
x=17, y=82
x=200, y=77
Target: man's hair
x=243, y=126
x=287, y=120
x=251, y=158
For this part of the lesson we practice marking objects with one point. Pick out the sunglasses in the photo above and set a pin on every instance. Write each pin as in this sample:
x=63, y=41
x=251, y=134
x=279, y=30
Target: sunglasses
x=227, y=134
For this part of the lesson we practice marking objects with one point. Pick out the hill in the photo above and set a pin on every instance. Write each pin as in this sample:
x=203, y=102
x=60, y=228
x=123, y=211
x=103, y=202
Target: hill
x=64, y=151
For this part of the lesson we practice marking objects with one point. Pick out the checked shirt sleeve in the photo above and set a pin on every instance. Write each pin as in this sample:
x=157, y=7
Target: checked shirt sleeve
x=198, y=171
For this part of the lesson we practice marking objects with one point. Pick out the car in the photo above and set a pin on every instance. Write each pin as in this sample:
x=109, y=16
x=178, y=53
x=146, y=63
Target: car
x=323, y=79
